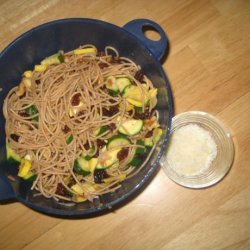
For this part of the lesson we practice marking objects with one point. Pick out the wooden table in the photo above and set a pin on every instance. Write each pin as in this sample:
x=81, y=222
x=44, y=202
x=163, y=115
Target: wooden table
x=209, y=70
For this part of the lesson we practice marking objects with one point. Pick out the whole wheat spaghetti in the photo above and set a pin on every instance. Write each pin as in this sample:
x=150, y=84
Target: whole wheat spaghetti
x=81, y=122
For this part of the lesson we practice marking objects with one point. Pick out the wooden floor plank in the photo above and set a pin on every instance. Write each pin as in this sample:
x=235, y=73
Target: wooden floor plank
x=20, y=225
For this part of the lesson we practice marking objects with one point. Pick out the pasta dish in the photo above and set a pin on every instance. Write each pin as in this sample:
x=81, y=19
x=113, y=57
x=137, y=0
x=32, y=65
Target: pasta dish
x=81, y=122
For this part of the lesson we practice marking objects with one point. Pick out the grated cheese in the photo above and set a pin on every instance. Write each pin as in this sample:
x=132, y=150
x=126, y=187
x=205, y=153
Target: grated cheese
x=191, y=150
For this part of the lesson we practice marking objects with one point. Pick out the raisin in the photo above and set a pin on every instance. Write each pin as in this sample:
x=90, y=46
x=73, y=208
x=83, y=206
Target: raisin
x=96, y=153
x=14, y=137
x=38, y=81
x=60, y=190
x=142, y=116
x=130, y=112
x=139, y=75
x=100, y=53
x=86, y=146
x=112, y=101
x=66, y=129
x=103, y=88
x=111, y=111
x=115, y=59
x=103, y=65
x=122, y=154
x=76, y=99
x=100, y=143
x=146, y=115
x=99, y=175
x=80, y=113
x=105, y=112
x=149, y=134
x=23, y=113
x=138, y=116
x=112, y=126
x=114, y=109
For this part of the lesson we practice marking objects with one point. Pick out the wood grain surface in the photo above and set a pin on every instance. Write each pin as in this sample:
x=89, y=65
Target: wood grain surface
x=209, y=69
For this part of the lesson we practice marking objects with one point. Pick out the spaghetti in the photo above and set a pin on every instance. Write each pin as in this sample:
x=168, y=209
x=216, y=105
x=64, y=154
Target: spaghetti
x=80, y=123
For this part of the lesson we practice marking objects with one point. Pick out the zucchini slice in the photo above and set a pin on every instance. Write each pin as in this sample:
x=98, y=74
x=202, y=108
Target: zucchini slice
x=122, y=83
x=89, y=154
x=101, y=130
x=134, y=96
x=114, y=178
x=131, y=127
x=40, y=67
x=112, y=92
x=92, y=164
x=30, y=177
x=81, y=166
x=157, y=133
x=135, y=162
x=149, y=142
x=54, y=59
x=137, y=154
x=153, y=97
x=24, y=168
x=116, y=141
x=11, y=155
x=139, y=150
x=111, y=84
x=138, y=110
x=111, y=156
x=77, y=189
x=84, y=51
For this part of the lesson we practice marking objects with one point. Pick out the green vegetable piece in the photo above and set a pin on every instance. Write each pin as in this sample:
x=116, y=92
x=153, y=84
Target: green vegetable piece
x=138, y=110
x=122, y=83
x=91, y=150
x=89, y=154
x=131, y=127
x=157, y=133
x=12, y=156
x=32, y=110
x=117, y=140
x=101, y=130
x=111, y=84
x=111, y=159
x=149, y=142
x=112, y=92
x=87, y=157
x=139, y=150
x=78, y=169
x=135, y=162
x=30, y=177
x=60, y=58
x=54, y=59
x=69, y=139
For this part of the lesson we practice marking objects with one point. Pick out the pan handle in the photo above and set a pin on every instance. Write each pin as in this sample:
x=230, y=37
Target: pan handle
x=157, y=48
x=6, y=191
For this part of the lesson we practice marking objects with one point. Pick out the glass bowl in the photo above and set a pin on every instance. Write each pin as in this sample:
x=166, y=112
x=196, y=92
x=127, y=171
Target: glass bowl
x=219, y=166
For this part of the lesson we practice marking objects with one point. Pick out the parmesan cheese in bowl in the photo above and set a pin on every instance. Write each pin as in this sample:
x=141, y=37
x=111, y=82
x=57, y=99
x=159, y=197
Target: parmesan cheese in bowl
x=200, y=150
